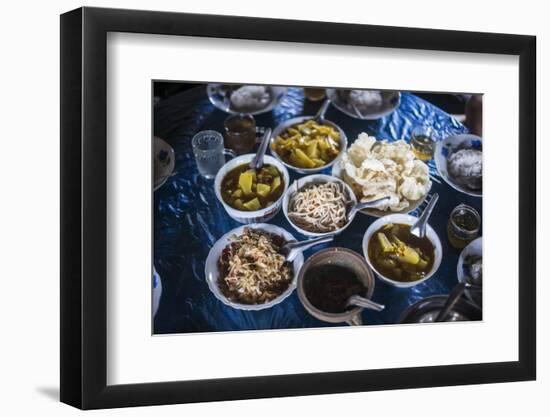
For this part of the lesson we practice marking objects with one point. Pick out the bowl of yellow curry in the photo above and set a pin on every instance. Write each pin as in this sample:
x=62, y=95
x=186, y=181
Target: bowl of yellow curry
x=396, y=256
x=249, y=195
x=307, y=145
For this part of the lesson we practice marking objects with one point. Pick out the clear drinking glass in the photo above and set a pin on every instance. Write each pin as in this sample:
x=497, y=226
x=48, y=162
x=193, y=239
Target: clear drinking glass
x=209, y=152
x=423, y=142
x=240, y=133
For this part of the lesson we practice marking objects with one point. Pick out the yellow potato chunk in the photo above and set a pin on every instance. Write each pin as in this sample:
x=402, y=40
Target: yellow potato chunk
x=312, y=150
x=384, y=242
x=302, y=160
x=253, y=204
x=263, y=189
x=408, y=256
x=276, y=183
x=245, y=182
x=239, y=204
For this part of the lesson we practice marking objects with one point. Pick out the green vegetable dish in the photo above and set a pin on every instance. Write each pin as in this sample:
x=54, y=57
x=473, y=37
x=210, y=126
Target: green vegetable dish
x=245, y=189
x=399, y=255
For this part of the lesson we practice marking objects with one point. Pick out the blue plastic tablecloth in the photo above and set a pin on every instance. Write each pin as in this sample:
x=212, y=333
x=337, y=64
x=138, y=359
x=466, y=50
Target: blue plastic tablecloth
x=188, y=219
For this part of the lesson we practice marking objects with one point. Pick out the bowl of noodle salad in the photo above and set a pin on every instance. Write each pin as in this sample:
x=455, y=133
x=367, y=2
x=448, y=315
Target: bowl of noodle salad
x=319, y=205
x=246, y=270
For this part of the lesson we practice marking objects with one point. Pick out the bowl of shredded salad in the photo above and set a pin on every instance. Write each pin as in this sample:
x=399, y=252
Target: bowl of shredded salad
x=246, y=270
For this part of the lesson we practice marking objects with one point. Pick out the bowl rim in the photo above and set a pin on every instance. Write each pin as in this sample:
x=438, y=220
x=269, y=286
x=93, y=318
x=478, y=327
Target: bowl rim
x=159, y=182
x=407, y=218
x=256, y=213
x=297, y=264
x=331, y=92
x=438, y=163
x=437, y=298
x=310, y=179
x=460, y=263
x=210, y=92
x=301, y=290
x=300, y=119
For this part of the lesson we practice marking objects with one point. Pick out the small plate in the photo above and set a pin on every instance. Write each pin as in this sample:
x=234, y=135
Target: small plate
x=446, y=147
x=164, y=162
x=390, y=102
x=157, y=291
x=212, y=272
x=219, y=96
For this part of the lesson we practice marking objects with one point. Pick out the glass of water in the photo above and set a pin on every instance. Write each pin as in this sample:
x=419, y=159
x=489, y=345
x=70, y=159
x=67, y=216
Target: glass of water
x=209, y=152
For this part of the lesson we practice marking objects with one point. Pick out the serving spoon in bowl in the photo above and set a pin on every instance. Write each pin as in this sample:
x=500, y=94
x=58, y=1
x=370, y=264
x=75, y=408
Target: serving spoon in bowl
x=258, y=161
x=367, y=204
x=454, y=296
x=358, y=301
x=291, y=249
x=418, y=229
x=320, y=116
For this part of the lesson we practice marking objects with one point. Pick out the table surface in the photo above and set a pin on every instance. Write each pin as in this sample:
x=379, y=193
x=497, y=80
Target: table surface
x=188, y=219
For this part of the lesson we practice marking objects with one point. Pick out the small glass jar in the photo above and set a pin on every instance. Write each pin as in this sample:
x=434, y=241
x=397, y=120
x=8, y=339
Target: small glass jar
x=423, y=142
x=463, y=226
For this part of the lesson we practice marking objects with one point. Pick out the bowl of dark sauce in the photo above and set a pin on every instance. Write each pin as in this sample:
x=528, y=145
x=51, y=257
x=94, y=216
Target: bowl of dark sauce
x=328, y=279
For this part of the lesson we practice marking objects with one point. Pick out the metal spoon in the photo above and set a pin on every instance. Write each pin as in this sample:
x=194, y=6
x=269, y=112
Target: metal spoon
x=258, y=160
x=356, y=110
x=291, y=249
x=366, y=204
x=419, y=228
x=455, y=295
x=358, y=301
x=320, y=116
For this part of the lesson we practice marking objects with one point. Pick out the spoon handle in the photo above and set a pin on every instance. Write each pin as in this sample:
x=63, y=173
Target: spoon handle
x=294, y=248
x=306, y=244
x=423, y=219
x=356, y=110
x=367, y=204
x=359, y=301
x=320, y=116
x=430, y=207
x=258, y=160
x=456, y=293
x=473, y=287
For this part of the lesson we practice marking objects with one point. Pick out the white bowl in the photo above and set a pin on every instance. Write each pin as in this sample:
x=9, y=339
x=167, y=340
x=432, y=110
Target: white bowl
x=316, y=179
x=157, y=291
x=448, y=146
x=223, y=102
x=298, y=120
x=212, y=271
x=391, y=101
x=402, y=219
x=257, y=216
x=474, y=248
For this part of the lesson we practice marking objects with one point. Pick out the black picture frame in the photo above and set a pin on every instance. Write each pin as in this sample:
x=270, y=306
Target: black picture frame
x=84, y=207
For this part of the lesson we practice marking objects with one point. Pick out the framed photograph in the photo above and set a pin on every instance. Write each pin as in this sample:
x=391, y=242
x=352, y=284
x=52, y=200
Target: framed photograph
x=256, y=208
